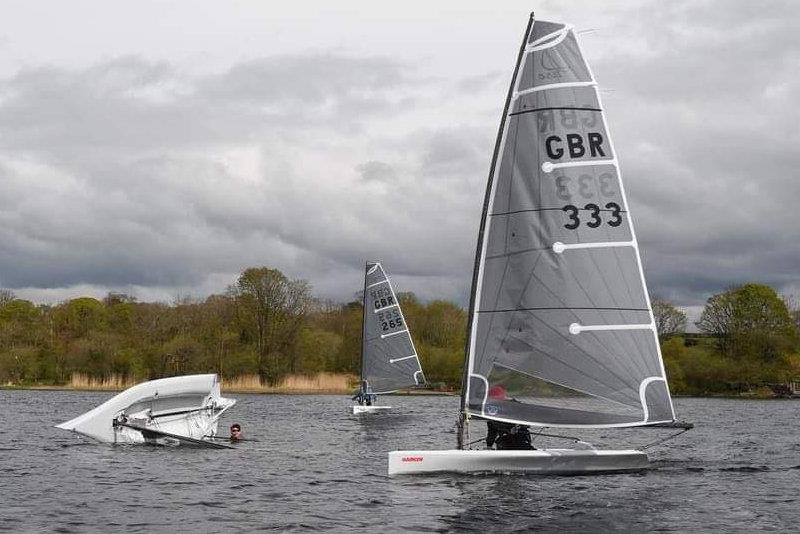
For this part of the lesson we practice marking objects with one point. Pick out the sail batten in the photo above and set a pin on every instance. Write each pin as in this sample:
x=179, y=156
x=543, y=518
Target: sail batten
x=389, y=359
x=561, y=331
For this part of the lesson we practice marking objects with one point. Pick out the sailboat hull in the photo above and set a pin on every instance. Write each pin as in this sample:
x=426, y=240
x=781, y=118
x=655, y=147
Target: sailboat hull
x=357, y=409
x=541, y=462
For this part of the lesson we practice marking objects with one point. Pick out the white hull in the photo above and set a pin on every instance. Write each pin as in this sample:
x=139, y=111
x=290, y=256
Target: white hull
x=186, y=406
x=358, y=409
x=543, y=462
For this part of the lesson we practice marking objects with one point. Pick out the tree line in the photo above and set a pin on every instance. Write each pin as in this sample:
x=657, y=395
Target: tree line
x=750, y=341
x=268, y=325
x=265, y=324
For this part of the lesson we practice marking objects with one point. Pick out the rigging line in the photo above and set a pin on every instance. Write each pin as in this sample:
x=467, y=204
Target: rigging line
x=560, y=308
x=524, y=111
x=659, y=441
x=179, y=412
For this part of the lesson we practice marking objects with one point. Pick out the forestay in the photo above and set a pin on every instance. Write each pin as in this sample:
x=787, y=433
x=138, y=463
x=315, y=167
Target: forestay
x=561, y=329
x=389, y=360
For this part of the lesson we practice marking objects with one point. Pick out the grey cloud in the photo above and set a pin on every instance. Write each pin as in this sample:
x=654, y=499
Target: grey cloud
x=120, y=173
x=377, y=171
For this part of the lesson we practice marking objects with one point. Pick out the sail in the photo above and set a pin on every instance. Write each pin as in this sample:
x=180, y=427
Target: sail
x=561, y=332
x=189, y=406
x=389, y=360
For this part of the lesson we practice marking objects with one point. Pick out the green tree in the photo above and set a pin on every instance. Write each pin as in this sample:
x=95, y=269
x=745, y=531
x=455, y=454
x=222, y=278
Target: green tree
x=749, y=321
x=273, y=308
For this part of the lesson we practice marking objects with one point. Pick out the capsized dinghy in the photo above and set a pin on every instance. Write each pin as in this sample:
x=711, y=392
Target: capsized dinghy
x=169, y=411
x=389, y=360
x=559, y=318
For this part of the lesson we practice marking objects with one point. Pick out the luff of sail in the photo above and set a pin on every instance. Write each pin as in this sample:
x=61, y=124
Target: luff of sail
x=561, y=329
x=389, y=360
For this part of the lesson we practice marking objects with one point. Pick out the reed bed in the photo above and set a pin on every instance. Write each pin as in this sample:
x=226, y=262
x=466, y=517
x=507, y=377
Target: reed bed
x=319, y=383
x=113, y=382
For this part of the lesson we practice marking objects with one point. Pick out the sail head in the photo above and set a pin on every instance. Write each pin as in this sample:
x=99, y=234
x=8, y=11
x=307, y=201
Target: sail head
x=561, y=328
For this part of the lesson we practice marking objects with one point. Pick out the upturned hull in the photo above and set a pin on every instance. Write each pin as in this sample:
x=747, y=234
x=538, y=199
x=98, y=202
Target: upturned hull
x=541, y=462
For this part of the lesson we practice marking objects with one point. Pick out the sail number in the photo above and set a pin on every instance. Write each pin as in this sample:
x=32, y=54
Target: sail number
x=390, y=319
x=584, y=182
x=594, y=215
x=382, y=298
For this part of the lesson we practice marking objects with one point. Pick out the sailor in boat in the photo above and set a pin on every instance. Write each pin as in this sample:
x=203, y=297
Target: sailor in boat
x=506, y=436
x=236, y=432
x=365, y=397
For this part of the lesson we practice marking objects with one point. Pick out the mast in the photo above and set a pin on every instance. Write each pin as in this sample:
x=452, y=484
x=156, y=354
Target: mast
x=363, y=327
x=481, y=231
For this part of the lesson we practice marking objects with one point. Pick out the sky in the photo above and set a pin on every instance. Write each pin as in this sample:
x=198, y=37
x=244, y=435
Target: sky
x=160, y=148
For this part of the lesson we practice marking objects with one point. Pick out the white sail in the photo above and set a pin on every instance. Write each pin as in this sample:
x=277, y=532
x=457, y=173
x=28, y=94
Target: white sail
x=389, y=360
x=561, y=331
x=187, y=406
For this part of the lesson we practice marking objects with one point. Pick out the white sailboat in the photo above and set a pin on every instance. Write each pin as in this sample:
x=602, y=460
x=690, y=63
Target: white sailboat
x=561, y=331
x=180, y=410
x=389, y=360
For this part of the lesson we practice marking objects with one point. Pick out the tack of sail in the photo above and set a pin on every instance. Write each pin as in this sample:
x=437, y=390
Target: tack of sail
x=560, y=319
x=389, y=358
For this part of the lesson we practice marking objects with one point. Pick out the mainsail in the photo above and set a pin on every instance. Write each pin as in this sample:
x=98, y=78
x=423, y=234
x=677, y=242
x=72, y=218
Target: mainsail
x=389, y=360
x=561, y=331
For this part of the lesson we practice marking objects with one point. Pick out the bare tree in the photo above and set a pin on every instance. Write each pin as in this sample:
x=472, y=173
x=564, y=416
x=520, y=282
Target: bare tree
x=669, y=319
x=6, y=296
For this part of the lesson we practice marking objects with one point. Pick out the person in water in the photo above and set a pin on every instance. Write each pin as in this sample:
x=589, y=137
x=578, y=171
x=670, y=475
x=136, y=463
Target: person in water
x=236, y=432
x=506, y=436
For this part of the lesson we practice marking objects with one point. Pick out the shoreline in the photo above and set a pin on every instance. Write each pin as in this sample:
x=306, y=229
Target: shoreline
x=248, y=391
x=349, y=391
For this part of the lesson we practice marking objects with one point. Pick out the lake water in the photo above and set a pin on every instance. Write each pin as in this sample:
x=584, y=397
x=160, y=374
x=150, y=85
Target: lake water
x=315, y=467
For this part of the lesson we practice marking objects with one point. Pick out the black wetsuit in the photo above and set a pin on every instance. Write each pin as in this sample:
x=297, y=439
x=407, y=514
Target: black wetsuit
x=365, y=398
x=508, y=436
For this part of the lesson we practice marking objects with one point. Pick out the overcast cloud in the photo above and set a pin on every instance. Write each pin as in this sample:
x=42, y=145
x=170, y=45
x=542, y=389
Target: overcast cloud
x=312, y=139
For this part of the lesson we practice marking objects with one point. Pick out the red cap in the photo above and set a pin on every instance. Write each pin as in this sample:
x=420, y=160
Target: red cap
x=497, y=392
